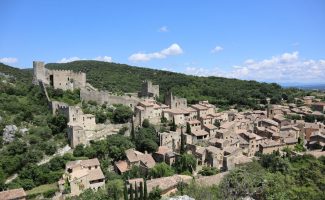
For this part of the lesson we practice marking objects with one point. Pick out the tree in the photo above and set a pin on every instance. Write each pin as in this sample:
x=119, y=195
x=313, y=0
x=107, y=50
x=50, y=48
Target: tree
x=145, y=123
x=122, y=114
x=188, y=128
x=216, y=123
x=147, y=139
x=131, y=192
x=58, y=124
x=125, y=192
x=208, y=171
x=186, y=162
x=2, y=179
x=145, y=191
x=161, y=170
x=141, y=191
x=115, y=188
x=183, y=142
x=116, y=145
x=155, y=194
x=136, y=197
x=173, y=126
x=132, y=134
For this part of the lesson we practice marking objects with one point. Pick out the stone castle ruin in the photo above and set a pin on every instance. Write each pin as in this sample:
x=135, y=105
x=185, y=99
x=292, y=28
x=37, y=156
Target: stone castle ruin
x=149, y=90
x=58, y=79
x=82, y=128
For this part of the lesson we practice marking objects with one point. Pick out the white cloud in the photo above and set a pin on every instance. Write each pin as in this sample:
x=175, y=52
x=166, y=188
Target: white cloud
x=163, y=29
x=104, y=58
x=71, y=59
x=8, y=60
x=285, y=68
x=75, y=58
x=173, y=49
x=216, y=49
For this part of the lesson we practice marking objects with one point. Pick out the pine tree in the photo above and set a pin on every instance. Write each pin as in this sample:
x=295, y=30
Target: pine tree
x=145, y=191
x=125, y=190
x=131, y=192
x=141, y=190
x=136, y=191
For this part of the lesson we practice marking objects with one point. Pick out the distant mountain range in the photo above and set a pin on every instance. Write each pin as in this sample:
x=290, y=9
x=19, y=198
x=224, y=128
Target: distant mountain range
x=316, y=86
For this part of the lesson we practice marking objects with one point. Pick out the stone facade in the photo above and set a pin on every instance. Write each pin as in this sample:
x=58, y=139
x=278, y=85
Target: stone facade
x=59, y=79
x=105, y=97
x=149, y=90
x=175, y=102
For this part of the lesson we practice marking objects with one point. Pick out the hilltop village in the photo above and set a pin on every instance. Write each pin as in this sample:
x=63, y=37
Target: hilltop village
x=222, y=140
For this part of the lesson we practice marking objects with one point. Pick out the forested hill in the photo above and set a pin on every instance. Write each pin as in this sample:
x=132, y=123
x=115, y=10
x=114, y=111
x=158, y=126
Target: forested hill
x=124, y=78
x=24, y=75
x=120, y=77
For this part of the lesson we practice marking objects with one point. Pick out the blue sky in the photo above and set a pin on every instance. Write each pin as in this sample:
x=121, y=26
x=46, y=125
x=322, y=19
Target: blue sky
x=275, y=41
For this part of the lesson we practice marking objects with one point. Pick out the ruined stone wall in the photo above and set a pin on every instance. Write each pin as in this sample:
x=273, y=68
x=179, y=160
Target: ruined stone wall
x=102, y=97
x=175, y=102
x=68, y=80
x=39, y=72
x=59, y=79
x=149, y=90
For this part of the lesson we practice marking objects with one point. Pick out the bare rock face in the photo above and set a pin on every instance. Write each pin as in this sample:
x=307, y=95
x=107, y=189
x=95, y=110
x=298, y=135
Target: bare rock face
x=9, y=133
x=185, y=197
x=23, y=131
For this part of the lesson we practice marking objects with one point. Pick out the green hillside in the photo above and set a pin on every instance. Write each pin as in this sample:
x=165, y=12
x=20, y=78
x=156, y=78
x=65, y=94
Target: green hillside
x=222, y=91
x=24, y=75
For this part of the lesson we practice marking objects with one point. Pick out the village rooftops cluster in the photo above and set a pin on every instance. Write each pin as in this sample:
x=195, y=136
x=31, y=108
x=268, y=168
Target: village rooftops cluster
x=217, y=139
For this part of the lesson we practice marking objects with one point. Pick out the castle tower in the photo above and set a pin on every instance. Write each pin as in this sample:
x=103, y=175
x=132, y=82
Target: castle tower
x=149, y=90
x=39, y=72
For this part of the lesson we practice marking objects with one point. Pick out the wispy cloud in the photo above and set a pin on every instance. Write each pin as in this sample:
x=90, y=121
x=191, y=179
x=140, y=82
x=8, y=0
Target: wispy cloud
x=173, y=49
x=216, y=49
x=75, y=58
x=8, y=60
x=284, y=68
x=163, y=29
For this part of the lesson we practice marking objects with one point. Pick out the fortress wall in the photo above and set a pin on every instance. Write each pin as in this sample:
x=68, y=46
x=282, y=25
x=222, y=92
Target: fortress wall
x=102, y=97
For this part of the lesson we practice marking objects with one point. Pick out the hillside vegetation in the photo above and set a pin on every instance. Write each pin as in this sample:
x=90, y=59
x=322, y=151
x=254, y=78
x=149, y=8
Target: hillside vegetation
x=222, y=91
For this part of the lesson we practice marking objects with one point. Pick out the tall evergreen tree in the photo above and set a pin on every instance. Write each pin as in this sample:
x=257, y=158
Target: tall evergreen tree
x=132, y=134
x=125, y=190
x=188, y=128
x=136, y=191
x=182, y=148
x=131, y=192
x=145, y=191
x=173, y=127
x=141, y=190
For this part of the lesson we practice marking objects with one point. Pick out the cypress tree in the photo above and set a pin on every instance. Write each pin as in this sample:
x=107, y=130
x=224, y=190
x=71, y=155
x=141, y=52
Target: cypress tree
x=173, y=126
x=136, y=191
x=145, y=191
x=131, y=192
x=132, y=130
x=182, y=148
x=188, y=128
x=125, y=190
x=141, y=190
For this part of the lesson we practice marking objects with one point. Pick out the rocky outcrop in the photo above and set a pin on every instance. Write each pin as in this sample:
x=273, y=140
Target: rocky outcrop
x=9, y=133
